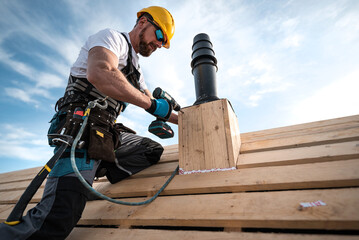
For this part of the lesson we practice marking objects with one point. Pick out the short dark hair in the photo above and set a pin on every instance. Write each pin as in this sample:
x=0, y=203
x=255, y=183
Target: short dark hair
x=147, y=15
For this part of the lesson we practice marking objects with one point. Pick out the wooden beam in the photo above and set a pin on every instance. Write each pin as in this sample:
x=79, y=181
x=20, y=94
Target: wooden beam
x=21, y=185
x=311, y=154
x=302, y=141
x=13, y=196
x=20, y=175
x=253, y=210
x=131, y=234
x=162, y=169
x=302, y=129
x=332, y=174
x=169, y=157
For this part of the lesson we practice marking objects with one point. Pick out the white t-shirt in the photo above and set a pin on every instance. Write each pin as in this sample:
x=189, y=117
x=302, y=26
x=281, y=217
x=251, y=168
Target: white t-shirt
x=115, y=42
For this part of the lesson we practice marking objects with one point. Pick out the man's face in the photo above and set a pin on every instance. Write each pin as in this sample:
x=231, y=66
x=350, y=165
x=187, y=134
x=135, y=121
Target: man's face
x=146, y=48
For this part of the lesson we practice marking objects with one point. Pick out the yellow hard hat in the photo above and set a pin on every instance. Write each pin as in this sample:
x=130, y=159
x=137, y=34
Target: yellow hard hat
x=164, y=20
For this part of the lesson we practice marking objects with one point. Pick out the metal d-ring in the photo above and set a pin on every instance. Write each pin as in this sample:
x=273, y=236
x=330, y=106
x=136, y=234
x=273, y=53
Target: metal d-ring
x=97, y=102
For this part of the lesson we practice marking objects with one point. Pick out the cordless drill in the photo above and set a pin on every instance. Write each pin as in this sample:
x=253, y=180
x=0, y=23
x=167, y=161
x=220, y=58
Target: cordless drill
x=158, y=127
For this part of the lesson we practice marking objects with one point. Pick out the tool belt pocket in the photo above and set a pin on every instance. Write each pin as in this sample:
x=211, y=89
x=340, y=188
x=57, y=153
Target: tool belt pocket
x=101, y=145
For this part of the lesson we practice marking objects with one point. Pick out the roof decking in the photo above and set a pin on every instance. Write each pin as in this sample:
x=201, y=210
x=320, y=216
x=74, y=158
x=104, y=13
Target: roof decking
x=277, y=170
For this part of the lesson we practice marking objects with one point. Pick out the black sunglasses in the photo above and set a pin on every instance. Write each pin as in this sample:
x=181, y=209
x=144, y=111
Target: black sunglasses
x=159, y=34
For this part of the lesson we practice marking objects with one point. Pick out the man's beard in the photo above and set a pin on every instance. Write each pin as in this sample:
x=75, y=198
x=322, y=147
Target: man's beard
x=144, y=48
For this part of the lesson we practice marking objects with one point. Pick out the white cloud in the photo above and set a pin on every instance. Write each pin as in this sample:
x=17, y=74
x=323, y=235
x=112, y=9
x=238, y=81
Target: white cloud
x=290, y=24
x=338, y=99
x=15, y=133
x=47, y=81
x=20, y=95
x=260, y=62
x=294, y=40
x=43, y=81
x=15, y=142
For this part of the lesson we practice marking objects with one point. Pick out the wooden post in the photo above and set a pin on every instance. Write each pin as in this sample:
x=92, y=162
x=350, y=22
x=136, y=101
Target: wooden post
x=209, y=138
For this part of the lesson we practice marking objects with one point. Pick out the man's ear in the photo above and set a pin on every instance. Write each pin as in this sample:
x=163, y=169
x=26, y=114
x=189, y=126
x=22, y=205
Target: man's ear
x=142, y=21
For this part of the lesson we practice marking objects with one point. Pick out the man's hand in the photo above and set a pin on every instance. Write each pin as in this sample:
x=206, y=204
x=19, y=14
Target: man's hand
x=160, y=108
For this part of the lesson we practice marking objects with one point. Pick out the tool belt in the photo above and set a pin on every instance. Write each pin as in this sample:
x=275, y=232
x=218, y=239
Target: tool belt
x=101, y=135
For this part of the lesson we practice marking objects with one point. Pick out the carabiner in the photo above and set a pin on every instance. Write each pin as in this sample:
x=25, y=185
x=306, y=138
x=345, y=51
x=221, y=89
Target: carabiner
x=97, y=102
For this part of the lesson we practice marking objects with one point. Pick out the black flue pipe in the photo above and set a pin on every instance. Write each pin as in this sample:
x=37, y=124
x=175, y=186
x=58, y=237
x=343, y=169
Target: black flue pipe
x=204, y=68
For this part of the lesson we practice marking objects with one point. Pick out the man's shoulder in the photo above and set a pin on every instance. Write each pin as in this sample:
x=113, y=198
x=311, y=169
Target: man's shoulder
x=111, y=39
x=110, y=35
x=110, y=32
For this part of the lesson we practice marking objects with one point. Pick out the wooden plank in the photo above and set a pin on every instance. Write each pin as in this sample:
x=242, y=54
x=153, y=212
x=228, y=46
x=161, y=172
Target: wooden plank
x=214, y=137
x=306, y=176
x=301, y=141
x=321, y=153
x=157, y=170
x=253, y=210
x=169, y=157
x=169, y=154
x=316, y=130
x=5, y=187
x=170, y=148
x=331, y=174
x=233, y=137
x=20, y=175
x=191, y=131
x=13, y=196
x=298, y=129
x=131, y=234
x=16, y=186
x=6, y=209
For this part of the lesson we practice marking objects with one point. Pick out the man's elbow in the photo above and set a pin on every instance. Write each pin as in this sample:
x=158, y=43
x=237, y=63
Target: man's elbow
x=97, y=75
x=92, y=77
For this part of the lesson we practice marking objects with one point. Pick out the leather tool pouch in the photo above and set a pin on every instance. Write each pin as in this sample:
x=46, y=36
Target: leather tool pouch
x=72, y=125
x=101, y=138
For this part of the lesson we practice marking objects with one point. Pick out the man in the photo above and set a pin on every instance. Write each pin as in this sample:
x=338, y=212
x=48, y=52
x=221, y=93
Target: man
x=107, y=66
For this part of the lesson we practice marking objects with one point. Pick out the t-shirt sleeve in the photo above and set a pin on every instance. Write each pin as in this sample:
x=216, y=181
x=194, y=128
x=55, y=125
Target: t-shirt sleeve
x=107, y=38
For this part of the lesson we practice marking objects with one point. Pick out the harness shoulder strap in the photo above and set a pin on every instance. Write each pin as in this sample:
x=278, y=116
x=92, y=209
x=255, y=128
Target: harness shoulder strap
x=129, y=55
x=130, y=71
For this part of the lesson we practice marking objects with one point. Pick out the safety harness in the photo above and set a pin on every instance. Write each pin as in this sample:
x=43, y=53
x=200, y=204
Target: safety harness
x=80, y=90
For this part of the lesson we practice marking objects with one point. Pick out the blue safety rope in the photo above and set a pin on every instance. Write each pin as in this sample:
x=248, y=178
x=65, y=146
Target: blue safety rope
x=93, y=104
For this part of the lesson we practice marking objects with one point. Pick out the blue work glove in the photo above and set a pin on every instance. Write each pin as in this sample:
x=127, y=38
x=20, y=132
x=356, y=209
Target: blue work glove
x=160, y=108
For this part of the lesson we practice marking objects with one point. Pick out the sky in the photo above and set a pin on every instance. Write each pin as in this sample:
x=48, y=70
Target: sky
x=280, y=62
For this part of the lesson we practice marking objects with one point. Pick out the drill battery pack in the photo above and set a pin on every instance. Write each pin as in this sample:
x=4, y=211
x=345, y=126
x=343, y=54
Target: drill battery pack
x=160, y=129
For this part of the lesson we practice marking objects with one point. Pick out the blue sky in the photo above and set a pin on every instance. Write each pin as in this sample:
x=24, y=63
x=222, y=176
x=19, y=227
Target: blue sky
x=280, y=62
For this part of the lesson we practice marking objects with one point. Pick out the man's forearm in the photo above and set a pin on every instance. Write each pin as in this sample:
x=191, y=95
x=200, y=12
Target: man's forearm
x=115, y=85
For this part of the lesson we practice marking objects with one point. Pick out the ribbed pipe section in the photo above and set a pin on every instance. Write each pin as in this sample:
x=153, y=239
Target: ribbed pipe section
x=204, y=68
